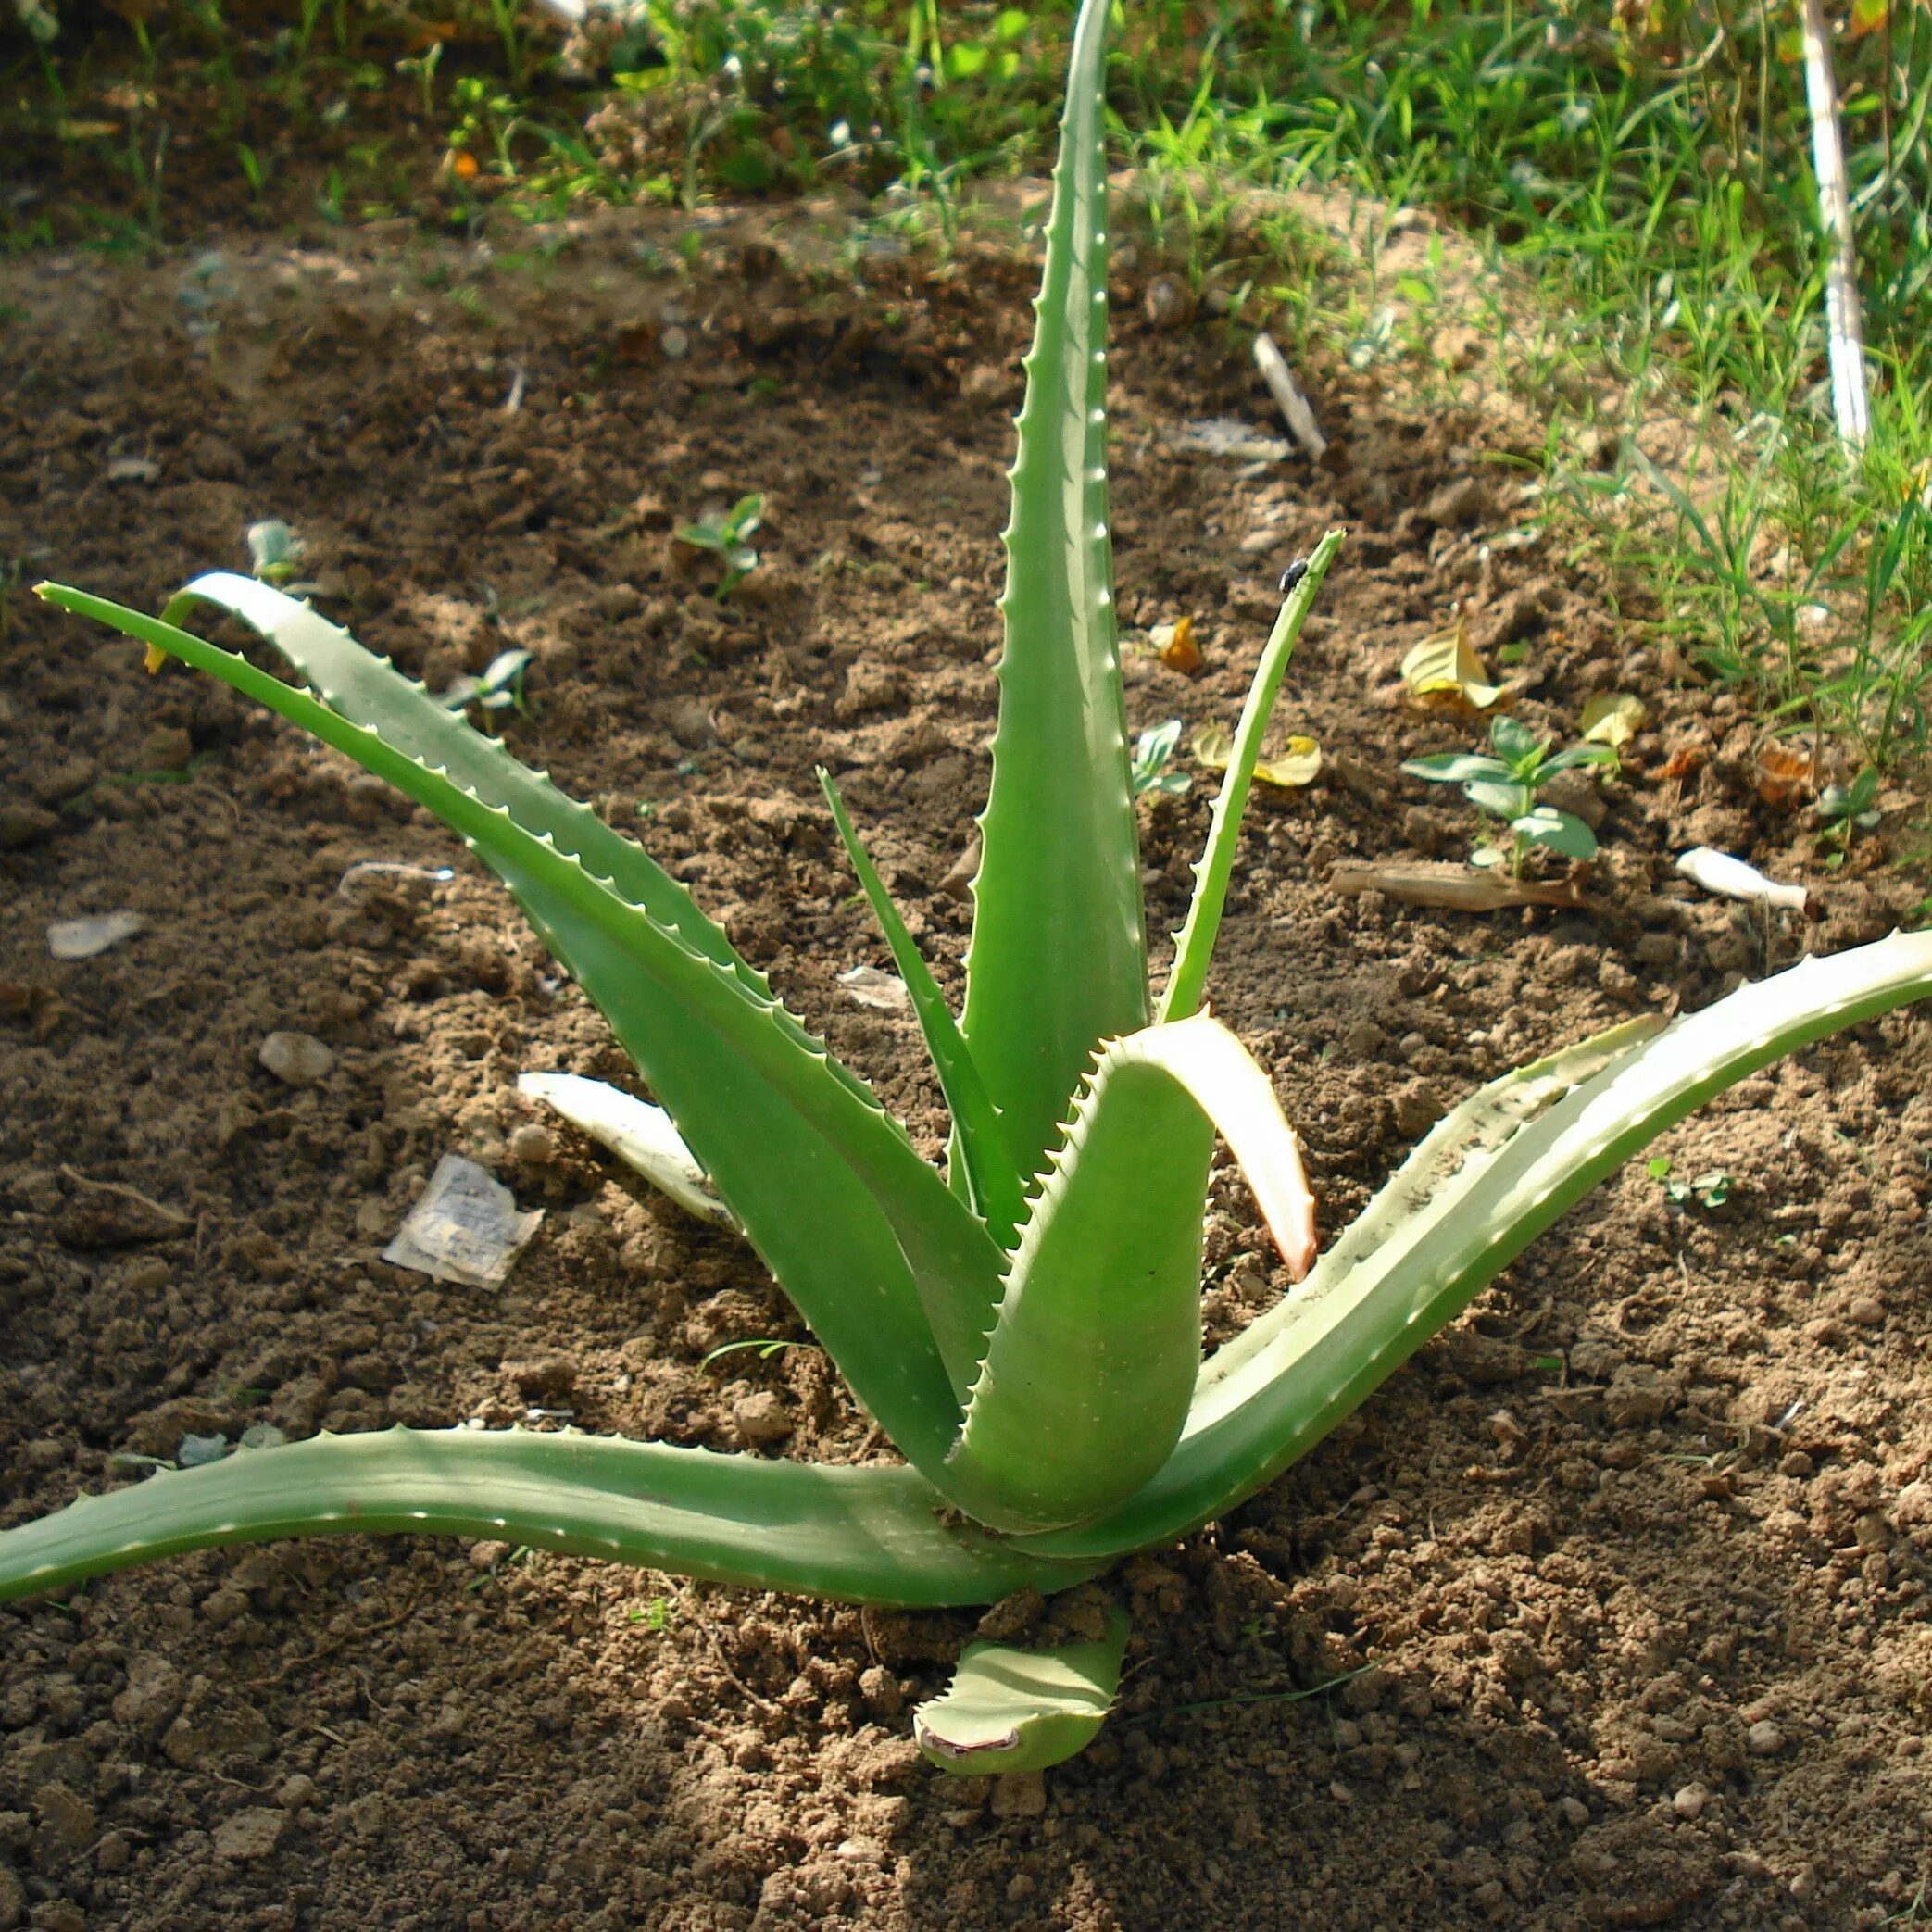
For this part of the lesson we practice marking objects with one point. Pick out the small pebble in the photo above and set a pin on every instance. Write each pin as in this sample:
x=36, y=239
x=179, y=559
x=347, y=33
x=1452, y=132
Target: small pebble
x=1574, y=1811
x=1764, y=1739
x=298, y=1058
x=1690, y=1802
x=533, y=1146
x=1867, y=1311
x=760, y=1419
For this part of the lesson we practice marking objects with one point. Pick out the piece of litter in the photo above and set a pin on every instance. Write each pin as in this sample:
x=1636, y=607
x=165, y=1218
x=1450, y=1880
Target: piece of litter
x=1733, y=879
x=1455, y=886
x=467, y=1228
x=132, y=470
x=514, y=400
x=643, y=1137
x=391, y=869
x=1227, y=436
x=869, y=986
x=197, y=1450
x=83, y=938
x=1288, y=398
x=261, y=1436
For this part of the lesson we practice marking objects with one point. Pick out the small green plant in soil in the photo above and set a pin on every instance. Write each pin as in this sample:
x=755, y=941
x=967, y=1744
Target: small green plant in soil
x=1504, y=785
x=499, y=687
x=1026, y=1327
x=728, y=534
x=1846, y=809
x=1150, y=768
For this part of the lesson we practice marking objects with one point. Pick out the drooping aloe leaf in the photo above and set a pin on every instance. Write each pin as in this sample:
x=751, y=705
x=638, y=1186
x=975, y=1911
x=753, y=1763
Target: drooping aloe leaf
x=871, y=1534
x=1058, y=956
x=992, y=1175
x=1371, y=1303
x=887, y=1267
x=1009, y=1709
x=1092, y=1362
x=1194, y=945
x=641, y=1135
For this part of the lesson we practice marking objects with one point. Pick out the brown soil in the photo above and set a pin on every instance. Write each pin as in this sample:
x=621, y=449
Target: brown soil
x=1637, y=1554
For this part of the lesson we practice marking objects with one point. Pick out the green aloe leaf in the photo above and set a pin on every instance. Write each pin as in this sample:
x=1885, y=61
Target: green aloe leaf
x=1427, y=1248
x=1059, y=958
x=992, y=1176
x=889, y=1269
x=1092, y=1362
x=872, y=1535
x=1014, y=1710
x=1194, y=945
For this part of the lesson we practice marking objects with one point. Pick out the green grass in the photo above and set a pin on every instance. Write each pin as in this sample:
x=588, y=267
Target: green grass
x=1642, y=211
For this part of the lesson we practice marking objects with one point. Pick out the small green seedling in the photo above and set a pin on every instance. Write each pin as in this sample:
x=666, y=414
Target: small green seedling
x=1505, y=785
x=730, y=536
x=1024, y=1327
x=1711, y=1189
x=273, y=551
x=1846, y=809
x=501, y=688
x=1153, y=756
x=767, y=1346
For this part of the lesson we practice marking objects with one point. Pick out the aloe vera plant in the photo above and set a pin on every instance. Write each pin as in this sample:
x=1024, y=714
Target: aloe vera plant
x=1026, y=1326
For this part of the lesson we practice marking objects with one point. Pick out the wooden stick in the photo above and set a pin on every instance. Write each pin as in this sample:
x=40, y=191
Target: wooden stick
x=1458, y=887
x=1300, y=419
x=1844, y=329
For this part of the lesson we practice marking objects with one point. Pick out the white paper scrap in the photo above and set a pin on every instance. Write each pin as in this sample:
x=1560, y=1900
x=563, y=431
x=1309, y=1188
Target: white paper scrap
x=871, y=988
x=83, y=938
x=466, y=1228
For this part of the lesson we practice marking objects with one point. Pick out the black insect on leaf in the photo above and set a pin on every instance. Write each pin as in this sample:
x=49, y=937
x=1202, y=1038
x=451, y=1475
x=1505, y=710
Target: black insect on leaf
x=1293, y=575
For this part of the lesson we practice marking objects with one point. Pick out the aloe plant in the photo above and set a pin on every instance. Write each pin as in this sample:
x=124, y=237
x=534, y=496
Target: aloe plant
x=1026, y=1327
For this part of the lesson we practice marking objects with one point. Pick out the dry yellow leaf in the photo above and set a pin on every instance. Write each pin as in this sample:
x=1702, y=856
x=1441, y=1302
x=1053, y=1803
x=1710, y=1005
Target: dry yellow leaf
x=1211, y=747
x=1445, y=675
x=1174, y=644
x=1295, y=765
x=1612, y=718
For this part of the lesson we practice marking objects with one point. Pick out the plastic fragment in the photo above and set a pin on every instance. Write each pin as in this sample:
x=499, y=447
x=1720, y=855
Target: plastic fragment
x=1228, y=436
x=467, y=1228
x=869, y=986
x=83, y=938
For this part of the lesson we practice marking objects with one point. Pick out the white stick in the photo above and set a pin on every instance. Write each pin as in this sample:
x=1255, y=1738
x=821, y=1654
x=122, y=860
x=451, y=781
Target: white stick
x=1844, y=330
x=1300, y=419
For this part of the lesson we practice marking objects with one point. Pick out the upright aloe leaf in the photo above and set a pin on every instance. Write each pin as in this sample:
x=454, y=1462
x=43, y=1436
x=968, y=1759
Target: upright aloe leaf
x=1092, y=1363
x=1013, y=1710
x=1059, y=959
x=872, y=1535
x=1430, y=1247
x=888, y=1266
